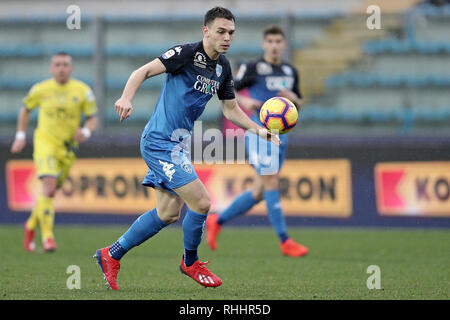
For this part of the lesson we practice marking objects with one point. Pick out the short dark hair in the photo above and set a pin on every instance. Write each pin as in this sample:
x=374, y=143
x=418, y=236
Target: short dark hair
x=273, y=29
x=61, y=53
x=218, y=12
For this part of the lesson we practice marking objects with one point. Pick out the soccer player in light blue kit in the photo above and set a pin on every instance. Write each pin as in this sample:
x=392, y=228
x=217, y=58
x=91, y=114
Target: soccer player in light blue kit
x=195, y=72
x=265, y=78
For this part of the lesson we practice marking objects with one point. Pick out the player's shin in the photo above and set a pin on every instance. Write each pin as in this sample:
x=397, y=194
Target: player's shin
x=193, y=227
x=143, y=228
x=275, y=213
x=33, y=220
x=240, y=205
x=46, y=216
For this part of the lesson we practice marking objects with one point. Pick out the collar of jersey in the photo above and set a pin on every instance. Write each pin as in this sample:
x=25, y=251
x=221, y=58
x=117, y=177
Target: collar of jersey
x=208, y=59
x=61, y=85
x=273, y=65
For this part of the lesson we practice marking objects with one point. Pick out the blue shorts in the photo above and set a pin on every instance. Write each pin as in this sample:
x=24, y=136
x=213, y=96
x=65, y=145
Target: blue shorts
x=264, y=156
x=169, y=166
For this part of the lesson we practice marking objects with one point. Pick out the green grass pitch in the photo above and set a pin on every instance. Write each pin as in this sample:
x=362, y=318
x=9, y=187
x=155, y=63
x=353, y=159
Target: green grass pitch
x=414, y=264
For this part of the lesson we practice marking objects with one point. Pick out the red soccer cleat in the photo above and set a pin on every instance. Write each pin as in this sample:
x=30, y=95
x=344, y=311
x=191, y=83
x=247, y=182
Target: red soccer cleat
x=28, y=241
x=200, y=273
x=212, y=230
x=293, y=249
x=49, y=245
x=110, y=267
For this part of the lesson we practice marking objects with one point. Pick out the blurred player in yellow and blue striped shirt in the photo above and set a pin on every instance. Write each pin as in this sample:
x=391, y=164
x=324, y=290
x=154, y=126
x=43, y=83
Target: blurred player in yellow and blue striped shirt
x=62, y=101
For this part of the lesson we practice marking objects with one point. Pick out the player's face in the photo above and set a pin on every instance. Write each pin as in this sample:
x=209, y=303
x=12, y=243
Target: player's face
x=219, y=34
x=61, y=68
x=274, y=45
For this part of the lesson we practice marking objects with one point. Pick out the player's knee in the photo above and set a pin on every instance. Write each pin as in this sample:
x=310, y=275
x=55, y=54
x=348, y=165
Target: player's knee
x=258, y=194
x=169, y=217
x=271, y=182
x=50, y=193
x=203, y=205
x=49, y=189
x=172, y=219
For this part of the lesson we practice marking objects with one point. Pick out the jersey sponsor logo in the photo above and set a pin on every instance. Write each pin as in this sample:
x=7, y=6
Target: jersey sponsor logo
x=168, y=54
x=287, y=70
x=200, y=60
x=263, y=68
x=206, y=85
x=167, y=168
x=178, y=50
x=218, y=70
x=279, y=83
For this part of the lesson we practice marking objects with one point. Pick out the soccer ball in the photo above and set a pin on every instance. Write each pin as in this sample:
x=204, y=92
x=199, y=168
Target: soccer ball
x=278, y=114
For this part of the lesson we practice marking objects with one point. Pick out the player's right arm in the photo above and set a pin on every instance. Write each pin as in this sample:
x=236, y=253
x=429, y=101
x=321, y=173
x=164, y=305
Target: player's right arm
x=245, y=77
x=30, y=102
x=172, y=61
x=248, y=103
x=22, y=124
x=232, y=112
x=124, y=106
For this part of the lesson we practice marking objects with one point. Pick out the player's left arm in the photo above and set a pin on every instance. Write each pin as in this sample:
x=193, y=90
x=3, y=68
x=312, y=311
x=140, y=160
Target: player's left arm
x=124, y=106
x=294, y=95
x=234, y=113
x=84, y=133
x=89, y=109
x=245, y=78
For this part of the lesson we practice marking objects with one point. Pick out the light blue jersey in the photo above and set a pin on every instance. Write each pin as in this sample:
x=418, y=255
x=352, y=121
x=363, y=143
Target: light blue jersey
x=191, y=81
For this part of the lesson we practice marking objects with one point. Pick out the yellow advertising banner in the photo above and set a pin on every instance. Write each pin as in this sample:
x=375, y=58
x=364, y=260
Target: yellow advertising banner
x=110, y=185
x=413, y=188
x=308, y=187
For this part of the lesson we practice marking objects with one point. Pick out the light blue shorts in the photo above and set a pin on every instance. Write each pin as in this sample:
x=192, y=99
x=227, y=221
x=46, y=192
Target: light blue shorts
x=169, y=166
x=264, y=156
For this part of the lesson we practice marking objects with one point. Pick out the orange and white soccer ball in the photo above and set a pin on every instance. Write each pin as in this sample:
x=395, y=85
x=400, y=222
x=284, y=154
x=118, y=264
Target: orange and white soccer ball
x=278, y=113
